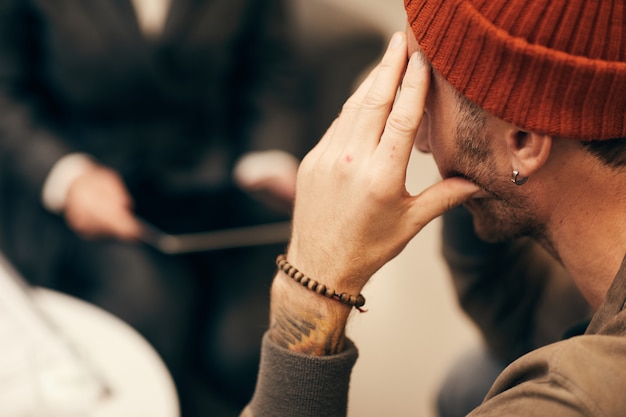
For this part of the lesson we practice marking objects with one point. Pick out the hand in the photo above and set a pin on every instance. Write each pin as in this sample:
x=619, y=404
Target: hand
x=353, y=212
x=99, y=205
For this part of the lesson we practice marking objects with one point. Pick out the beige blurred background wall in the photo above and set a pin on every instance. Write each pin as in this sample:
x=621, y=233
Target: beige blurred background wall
x=404, y=350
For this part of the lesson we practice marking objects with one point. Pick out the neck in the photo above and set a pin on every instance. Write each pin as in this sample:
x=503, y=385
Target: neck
x=587, y=227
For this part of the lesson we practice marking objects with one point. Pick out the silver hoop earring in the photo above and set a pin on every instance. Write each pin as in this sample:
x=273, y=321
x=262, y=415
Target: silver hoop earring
x=520, y=181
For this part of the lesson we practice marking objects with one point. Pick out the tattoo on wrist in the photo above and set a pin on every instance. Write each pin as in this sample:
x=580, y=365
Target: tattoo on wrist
x=311, y=335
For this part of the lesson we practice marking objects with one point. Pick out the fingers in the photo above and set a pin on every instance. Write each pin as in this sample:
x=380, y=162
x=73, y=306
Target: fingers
x=374, y=90
x=376, y=104
x=117, y=218
x=404, y=120
x=349, y=108
x=363, y=116
x=126, y=226
x=99, y=205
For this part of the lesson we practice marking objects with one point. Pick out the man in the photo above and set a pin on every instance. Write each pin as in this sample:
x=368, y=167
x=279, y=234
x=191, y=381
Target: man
x=506, y=96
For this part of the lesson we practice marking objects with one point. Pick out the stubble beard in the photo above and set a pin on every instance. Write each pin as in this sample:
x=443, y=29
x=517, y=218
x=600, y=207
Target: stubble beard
x=505, y=214
x=498, y=219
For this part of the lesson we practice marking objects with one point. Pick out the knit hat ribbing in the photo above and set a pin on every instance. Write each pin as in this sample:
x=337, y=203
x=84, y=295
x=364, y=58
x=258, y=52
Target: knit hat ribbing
x=550, y=66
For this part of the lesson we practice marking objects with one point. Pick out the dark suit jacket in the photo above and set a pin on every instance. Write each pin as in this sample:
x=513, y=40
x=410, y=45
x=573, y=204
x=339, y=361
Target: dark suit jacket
x=79, y=75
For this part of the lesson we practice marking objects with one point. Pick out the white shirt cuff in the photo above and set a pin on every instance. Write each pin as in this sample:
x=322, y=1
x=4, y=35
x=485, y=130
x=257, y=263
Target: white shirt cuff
x=61, y=177
x=255, y=167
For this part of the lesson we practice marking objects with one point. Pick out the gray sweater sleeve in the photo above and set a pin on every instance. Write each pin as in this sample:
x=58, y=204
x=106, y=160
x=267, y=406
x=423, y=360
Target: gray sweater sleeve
x=292, y=384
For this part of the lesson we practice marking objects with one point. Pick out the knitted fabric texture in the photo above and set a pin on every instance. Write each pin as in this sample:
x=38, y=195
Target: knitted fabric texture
x=550, y=66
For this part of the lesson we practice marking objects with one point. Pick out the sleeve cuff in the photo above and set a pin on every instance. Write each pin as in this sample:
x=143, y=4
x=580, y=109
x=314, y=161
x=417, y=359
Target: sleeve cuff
x=293, y=384
x=61, y=177
x=255, y=167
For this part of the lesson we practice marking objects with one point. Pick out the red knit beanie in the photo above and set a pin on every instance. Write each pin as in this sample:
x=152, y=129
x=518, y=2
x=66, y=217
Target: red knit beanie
x=550, y=66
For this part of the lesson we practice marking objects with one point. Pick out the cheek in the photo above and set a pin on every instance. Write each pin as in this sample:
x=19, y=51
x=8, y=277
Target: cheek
x=441, y=144
x=443, y=153
x=443, y=156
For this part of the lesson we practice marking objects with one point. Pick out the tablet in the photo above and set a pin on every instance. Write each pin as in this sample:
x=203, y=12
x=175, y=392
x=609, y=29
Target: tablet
x=196, y=222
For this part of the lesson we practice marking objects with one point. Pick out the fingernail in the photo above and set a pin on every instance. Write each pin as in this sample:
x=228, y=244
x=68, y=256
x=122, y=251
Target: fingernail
x=396, y=40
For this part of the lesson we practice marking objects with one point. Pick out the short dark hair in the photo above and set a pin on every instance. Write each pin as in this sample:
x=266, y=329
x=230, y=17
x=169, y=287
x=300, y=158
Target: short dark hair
x=611, y=152
x=470, y=135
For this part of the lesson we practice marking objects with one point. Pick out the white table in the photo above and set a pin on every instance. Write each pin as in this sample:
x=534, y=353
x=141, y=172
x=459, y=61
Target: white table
x=139, y=382
x=63, y=357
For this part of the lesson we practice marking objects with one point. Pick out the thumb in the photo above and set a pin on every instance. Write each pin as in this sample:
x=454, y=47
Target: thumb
x=441, y=197
x=126, y=227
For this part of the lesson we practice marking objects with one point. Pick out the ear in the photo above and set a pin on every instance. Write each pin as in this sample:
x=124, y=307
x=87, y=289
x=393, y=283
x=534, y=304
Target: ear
x=529, y=151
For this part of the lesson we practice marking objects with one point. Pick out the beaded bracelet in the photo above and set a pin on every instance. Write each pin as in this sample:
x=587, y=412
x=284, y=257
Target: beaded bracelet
x=292, y=272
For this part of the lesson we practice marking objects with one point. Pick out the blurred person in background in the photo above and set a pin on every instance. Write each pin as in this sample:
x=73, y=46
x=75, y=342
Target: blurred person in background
x=189, y=114
x=178, y=112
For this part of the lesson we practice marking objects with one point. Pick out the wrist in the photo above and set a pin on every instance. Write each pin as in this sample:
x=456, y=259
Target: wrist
x=328, y=267
x=305, y=321
x=356, y=301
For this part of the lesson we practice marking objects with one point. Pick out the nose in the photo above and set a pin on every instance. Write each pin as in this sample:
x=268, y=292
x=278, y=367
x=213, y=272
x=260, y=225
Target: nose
x=422, y=143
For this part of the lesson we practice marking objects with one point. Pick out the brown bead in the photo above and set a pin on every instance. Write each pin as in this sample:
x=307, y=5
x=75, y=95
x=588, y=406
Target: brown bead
x=291, y=271
x=360, y=302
